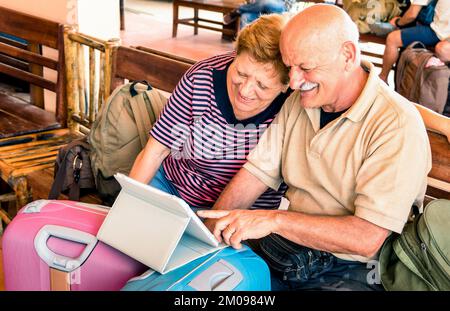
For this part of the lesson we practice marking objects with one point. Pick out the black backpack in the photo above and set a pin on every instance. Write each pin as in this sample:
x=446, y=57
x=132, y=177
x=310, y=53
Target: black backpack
x=73, y=173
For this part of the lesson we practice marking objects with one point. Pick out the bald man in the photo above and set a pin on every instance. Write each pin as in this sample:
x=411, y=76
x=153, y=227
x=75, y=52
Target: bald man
x=354, y=154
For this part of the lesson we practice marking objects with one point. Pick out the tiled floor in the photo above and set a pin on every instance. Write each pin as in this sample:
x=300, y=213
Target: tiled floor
x=149, y=23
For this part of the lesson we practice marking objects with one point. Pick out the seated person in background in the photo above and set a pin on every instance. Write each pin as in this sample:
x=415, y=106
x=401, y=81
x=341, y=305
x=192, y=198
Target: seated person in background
x=354, y=154
x=215, y=116
x=255, y=8
x=429, y=35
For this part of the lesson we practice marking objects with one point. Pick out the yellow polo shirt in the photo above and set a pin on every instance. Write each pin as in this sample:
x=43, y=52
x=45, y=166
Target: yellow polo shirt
x=371, y=162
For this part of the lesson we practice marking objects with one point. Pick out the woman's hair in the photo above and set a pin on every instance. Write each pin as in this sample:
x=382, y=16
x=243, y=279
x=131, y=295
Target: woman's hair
x=261, y=40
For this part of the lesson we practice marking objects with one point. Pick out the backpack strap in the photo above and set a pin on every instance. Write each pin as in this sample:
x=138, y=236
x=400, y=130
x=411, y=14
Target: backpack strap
x=145, y=118
x=141, y=115
x=58, y=181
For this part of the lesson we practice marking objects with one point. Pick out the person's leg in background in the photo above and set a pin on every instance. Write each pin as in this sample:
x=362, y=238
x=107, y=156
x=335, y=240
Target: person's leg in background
x=247, y=18
x=249, y=12
x=273, y=6
x=390, y=56
x=252, y=10
x=442, y=50
x=403, y=38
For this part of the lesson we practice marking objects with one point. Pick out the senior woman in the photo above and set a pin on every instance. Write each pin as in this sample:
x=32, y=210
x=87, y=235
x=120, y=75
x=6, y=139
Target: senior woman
x=215, y=116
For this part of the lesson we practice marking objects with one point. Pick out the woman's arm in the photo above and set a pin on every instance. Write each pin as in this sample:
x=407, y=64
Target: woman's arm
x=434, y=121
x=149, y=160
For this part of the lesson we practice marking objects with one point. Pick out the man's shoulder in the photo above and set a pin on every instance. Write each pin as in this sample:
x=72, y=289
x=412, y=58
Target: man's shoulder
x=390, y=101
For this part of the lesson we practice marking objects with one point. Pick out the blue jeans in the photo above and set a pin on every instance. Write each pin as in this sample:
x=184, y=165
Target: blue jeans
x=161, y=182
x=250, y=12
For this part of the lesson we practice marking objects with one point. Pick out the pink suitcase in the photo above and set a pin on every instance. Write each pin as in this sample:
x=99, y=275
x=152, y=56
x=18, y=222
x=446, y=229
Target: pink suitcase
x=51, y=245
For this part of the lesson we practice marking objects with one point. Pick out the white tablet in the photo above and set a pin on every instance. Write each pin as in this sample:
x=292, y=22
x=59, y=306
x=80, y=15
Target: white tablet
x=171, y=203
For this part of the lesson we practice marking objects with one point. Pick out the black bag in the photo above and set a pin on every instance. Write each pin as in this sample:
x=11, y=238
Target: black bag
x=293, y=262
x=108, y=188
x=72, y=171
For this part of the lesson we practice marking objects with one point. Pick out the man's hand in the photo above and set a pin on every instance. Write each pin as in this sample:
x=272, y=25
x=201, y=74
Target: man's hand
x=235, y=226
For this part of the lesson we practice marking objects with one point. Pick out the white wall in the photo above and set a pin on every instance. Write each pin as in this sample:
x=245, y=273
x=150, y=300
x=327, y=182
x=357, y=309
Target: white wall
x=99, y=18
x=56, y=10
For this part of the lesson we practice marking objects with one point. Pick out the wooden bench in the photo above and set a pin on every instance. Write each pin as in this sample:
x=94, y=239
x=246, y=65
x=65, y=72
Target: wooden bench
x=25, y=158
x=220, y=6
x=439, y=176
x=29, y=135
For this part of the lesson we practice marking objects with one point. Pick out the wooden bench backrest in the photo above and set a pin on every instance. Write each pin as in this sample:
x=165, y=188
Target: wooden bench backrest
x=439, y=176
x=23, y=59
x=161, y=70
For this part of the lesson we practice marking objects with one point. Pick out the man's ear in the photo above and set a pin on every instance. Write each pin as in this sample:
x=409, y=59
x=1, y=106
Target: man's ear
x=350, y=51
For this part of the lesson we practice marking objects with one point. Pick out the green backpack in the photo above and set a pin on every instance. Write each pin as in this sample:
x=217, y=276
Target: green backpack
x=419, y=258
x=120, y=132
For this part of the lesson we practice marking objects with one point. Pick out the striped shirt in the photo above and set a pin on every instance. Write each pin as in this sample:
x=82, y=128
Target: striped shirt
x=208, y=144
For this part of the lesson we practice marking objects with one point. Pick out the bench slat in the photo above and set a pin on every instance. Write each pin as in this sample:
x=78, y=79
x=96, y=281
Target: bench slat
x=28, y=56
x=29, y=77
x=30, y=154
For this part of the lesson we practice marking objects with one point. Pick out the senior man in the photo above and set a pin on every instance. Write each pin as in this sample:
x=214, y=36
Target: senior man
x=354, y=154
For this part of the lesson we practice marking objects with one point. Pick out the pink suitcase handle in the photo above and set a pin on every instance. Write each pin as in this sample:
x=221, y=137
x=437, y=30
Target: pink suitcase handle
x=61, y=262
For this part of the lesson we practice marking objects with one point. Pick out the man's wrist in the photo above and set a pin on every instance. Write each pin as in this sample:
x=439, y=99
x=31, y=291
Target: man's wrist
x=277, y=221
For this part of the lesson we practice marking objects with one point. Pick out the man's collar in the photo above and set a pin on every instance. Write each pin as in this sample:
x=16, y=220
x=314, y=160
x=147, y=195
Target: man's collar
x=365, y=100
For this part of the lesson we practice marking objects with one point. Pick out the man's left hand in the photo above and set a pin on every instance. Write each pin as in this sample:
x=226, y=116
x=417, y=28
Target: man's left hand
x=235, y=226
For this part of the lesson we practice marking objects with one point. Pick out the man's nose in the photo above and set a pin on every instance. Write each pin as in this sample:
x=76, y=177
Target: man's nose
x=296, y=78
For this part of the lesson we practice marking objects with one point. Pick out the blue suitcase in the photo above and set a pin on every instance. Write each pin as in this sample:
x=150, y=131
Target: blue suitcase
x=225, y=270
